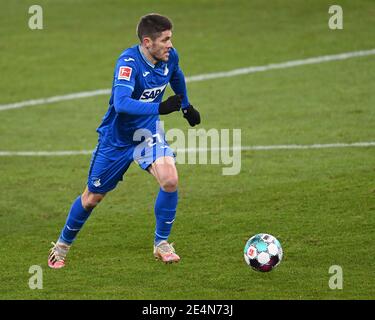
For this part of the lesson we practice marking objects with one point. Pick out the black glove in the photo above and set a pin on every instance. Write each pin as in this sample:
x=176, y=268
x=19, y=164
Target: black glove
x=172, y=104
x=191, y=115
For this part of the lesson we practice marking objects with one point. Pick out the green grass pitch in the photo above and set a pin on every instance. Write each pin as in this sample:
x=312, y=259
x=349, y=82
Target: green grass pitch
x=319, y=203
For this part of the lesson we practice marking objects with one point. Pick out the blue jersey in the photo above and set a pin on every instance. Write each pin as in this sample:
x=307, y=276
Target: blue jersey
x=137, y=90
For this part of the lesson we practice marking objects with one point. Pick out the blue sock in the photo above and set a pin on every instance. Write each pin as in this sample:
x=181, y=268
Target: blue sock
x=165, y=212
x=76, y=219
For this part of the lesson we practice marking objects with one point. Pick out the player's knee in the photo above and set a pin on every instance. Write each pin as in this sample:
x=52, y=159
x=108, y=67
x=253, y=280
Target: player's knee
x=169, y=184
x=91, y=200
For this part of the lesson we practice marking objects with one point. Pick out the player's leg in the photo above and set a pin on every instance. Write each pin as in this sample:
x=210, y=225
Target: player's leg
x=78, y=214
x=108, y=165
x=165, y=172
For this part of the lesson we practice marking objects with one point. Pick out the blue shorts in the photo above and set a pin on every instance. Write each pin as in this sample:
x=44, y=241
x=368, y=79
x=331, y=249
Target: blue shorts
x=109, y=164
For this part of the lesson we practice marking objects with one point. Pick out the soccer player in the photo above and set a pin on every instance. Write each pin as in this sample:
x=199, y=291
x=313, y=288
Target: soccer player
x=130, y=132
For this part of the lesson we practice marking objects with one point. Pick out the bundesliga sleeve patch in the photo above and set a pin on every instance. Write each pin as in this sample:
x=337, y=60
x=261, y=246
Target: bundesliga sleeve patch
x=125, y=73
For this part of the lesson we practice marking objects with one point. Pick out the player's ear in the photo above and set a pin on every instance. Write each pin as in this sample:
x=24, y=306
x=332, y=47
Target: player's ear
x=147, y=42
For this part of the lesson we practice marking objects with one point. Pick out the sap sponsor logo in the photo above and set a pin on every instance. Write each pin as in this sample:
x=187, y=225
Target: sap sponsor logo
x=149, y=95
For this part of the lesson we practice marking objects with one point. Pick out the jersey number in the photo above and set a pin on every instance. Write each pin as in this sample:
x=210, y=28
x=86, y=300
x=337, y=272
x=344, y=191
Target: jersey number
x=151, y=141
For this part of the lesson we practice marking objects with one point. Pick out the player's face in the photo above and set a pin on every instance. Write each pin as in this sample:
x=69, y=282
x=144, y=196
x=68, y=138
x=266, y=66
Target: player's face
x=160, y=47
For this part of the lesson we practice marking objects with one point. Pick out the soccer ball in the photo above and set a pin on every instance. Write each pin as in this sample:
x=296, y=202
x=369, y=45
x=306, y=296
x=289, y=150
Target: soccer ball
x=263, y=252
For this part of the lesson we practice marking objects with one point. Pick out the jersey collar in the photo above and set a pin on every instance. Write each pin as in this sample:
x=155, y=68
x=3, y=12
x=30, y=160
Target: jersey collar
x=145, y=58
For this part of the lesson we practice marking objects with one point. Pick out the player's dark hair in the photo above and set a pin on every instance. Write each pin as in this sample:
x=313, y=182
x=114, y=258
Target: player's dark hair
x=152, y=25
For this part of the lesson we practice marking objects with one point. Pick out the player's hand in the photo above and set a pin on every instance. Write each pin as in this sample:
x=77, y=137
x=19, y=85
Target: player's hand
x=191, y=115
x=172, y=104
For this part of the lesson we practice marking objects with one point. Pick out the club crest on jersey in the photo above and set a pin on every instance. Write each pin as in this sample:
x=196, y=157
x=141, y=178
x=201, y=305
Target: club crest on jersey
x=125, y=73
x=149, y=95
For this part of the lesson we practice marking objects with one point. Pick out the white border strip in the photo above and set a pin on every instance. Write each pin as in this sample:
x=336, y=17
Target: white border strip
x=41, y=101
x=189, y=150
x=202, y=77
x=283, y=65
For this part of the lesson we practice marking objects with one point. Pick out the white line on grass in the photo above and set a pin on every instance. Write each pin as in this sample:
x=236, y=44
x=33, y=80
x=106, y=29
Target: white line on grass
x=202, y=77
x=188, y=150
